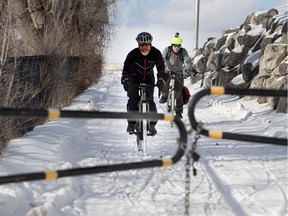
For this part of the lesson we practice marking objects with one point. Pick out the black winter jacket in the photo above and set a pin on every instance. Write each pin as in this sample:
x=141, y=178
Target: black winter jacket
x=140, y=67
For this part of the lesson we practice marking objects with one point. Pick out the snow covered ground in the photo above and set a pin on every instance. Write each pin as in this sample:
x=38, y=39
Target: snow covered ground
x=233, y=178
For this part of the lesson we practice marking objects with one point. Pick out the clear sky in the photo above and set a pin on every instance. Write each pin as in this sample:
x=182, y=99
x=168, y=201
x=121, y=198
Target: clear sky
x=162, y=18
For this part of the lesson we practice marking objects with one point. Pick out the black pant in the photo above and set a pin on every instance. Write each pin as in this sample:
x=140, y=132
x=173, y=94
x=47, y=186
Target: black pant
x=134, y=97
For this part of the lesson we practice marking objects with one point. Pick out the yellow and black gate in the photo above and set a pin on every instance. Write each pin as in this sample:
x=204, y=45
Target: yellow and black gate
x=54, y=113
x=235, y=136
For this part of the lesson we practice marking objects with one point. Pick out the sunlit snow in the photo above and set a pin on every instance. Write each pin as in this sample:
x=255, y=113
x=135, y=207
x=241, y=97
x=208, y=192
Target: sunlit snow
x=233, y=177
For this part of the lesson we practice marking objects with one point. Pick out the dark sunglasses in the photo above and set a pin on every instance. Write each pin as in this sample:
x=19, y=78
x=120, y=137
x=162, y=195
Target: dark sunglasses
x=175, y=45
x=145, y=44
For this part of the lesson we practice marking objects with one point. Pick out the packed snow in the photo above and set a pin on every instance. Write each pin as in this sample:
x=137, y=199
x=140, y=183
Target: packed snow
x=233, y=177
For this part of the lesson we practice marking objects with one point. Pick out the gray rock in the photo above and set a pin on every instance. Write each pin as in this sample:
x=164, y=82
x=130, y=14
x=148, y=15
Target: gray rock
x=273, y=55
x=281, y=69
x=236, y=56
x=282, y=104
x=284, y=32
x=214, y=62
x=250, y=66
x=209, y=46
x=199, y=63
x=225, y=76
x=253, y=55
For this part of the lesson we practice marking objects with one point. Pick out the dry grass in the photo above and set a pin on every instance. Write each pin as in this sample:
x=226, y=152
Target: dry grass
x=58, y=31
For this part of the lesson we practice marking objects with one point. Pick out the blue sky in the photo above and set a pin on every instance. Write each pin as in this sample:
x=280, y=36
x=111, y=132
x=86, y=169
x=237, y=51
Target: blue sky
x=162, y=18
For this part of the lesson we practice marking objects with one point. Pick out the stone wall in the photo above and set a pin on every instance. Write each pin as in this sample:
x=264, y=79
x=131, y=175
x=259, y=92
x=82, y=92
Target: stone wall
x=253, y=55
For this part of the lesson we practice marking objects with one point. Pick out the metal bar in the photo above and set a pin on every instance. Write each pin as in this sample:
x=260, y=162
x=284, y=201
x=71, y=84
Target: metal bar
x=53, y=175
x=235, y=136
x=56, y=113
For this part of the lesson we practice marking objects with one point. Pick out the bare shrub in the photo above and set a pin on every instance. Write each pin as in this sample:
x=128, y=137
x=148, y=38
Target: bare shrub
x=54, y=32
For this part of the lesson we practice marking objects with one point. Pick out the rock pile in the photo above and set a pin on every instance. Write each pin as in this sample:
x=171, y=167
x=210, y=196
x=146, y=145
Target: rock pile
x=251, y=56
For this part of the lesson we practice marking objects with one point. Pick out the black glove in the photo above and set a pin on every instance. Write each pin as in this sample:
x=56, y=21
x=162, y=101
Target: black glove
x=160, y=84
x=125, y=82
x=186, y=73
x=162, y=78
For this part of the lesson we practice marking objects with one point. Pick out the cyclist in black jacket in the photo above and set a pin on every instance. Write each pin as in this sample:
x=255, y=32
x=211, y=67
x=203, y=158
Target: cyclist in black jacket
x=138, y=68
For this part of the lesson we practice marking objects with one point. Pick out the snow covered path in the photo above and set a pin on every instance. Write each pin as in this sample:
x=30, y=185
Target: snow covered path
x=234, y=178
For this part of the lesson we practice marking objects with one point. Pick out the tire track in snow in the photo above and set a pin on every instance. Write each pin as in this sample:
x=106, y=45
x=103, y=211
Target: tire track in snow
x=109, y=154
x=231, y=195
x=215, y=181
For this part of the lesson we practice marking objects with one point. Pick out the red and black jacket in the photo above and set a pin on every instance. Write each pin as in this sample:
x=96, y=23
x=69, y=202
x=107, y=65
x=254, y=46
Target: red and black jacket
x=140, y=67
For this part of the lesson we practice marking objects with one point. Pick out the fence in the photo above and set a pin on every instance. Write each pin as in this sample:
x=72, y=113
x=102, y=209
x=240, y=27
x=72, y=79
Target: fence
x=31, y=72
x=225, y=135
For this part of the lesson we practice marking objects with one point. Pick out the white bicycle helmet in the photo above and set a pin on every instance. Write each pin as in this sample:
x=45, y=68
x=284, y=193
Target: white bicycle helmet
x=144, y=38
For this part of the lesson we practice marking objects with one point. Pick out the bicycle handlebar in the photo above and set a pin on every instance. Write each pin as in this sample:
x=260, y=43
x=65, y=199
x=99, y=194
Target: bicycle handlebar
x=145, y=85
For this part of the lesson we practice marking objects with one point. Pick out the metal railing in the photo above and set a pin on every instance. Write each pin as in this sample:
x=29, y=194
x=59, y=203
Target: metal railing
x=55, y=113
x=234, y=136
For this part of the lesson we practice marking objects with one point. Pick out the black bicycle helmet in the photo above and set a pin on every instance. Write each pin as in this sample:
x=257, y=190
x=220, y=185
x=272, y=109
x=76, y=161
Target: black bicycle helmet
x=144, y=38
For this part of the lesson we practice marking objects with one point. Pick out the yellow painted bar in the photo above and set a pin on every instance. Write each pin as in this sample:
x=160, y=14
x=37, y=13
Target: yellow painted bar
x=54, y=113
x=217, y=90
x=167, y=162
x=51, y=175
x=216, y=134
x=169, y=118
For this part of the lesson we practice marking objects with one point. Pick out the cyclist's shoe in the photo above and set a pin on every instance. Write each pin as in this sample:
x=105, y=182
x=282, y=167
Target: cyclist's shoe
x=130, y=128
x=152, y=131
x=163, y=99
x=179, y=115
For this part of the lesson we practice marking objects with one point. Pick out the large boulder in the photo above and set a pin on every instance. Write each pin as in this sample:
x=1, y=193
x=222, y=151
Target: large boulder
x=284, y=32
x=260, y=17
x=209, y=46
x=221, y=42
x=199, y=63
x=250, y=66
x=231, y=39
x=281, y=69
x=216, y=59
x=225, y=76
x=255, y=54
x=238, y=80
x=283, y=103
x=272, y=66
x=250, y=35
x=236, y=56
x=268, y=39
x=273, y=55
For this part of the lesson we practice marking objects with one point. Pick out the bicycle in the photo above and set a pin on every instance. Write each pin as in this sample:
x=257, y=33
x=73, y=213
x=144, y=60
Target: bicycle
x=171, y=100
x=142, y=125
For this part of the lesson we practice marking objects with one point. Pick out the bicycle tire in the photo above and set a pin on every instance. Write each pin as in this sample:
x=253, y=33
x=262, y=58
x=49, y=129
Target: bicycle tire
x=139, y=135
x=142, y=125
x=171, y=103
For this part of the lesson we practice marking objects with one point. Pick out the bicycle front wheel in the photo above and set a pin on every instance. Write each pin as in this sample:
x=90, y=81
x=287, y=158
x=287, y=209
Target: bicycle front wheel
x=171, y=103
x=139, y=135
x=142, y=129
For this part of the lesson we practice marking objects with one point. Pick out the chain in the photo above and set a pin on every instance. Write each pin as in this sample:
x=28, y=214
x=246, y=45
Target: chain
x=191, y=157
